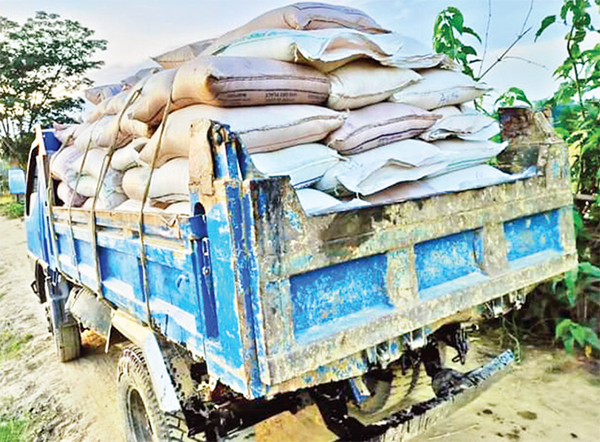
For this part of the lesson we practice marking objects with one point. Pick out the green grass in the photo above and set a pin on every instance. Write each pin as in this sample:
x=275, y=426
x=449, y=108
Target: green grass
x=13, y=430
x=12, y=209
x=11, y=344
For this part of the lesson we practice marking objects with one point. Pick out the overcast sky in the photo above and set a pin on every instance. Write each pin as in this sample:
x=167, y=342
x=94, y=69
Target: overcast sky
x=138, y=29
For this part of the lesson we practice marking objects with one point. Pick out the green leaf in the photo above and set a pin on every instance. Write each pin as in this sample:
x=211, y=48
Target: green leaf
x=578, y=332
x=547, y=21
x=592, y=338
x=569, y=345
x=589, y=269
x=562, y=328
x=571, y=282
x=467, y=30
x=457, y=21
x=469, y=50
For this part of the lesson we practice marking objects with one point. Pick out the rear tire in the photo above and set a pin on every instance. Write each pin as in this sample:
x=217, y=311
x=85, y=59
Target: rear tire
x=140, y=412
x=386, y=394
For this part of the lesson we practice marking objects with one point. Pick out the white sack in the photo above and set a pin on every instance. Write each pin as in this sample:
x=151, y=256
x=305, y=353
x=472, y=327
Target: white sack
x=464, y=179
x=108, y=197
x=315, y=202
x=106, y=202
x=182, y=208
x=64, y=132
x=169, y=182
x=363, y=82
x=371, y=171
x=150, y=105
x=304, y=164
x=469, y=125
x=440, y=87
x=261, y=129
x=303, y=16
x=62, y=163
x=176, y=57
x=99, y=93
x=325, y=49
x=135, y=206
x=139, y=76
x=68, y=196
x=128, y=156
x=461, y=153
x=415, y=55
x=102, y=134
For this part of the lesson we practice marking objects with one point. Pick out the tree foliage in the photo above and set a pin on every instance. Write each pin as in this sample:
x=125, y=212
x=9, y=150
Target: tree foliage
x=576, y=296
x=579, y=123
x=448, y=28
x=42, y=62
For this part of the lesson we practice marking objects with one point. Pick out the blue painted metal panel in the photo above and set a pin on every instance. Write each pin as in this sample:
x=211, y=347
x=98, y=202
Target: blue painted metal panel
x=221, y=249
x=445, y=259
x=51, y=143
x=16, y=181
x=533, y=234
x=330, y=293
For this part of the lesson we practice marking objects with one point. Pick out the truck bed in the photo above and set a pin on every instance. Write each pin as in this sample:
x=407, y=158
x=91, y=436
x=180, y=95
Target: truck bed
x=274, y=300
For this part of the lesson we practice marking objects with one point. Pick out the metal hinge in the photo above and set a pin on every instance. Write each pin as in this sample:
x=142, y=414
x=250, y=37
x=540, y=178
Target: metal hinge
x=205, y=250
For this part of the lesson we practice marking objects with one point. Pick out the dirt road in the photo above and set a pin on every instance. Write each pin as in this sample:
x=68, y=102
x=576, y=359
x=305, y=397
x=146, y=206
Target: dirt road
x=548, y=398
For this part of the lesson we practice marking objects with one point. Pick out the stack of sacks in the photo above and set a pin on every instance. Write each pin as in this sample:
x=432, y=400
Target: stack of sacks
x=379, y=141
x=320, y=93
x=62, y=170
x=279, y=82
x=110, y=194
x=101, y=130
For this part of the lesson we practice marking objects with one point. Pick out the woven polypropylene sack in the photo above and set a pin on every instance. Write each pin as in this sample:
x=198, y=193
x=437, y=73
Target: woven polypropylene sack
x=302, y=16
x=440, y=87
x=261, y=129
x=362, y=82
x=304, y=164
x=325, y=49
x=103, y=133
x=149, y=106
x=377, y=125
x=469, y=125
x=99, y=93
x=169, y=180
x=177, y=57
x=246, y=81
x=68, y=196
x=376, y=169
x=128, y=156
x=62, y=163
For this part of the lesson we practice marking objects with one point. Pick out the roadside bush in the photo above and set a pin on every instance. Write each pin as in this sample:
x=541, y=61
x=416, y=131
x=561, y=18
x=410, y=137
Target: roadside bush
x=12, y=210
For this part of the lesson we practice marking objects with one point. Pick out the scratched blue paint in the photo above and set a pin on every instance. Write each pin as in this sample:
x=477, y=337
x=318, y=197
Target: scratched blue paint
x=533, y=234
x=441, y=260
x=326, y=294
x=221, y=254
x=253, y=301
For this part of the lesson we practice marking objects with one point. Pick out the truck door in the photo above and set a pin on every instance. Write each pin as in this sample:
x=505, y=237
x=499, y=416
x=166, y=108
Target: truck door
x=36, y=219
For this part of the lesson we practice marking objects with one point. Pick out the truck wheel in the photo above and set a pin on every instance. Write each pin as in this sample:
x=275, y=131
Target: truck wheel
x=67, y=336
x=144, y=420
x=386, y=394
x=67, y=340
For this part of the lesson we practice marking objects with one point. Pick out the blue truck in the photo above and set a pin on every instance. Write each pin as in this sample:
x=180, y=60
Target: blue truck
x=248, y=307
